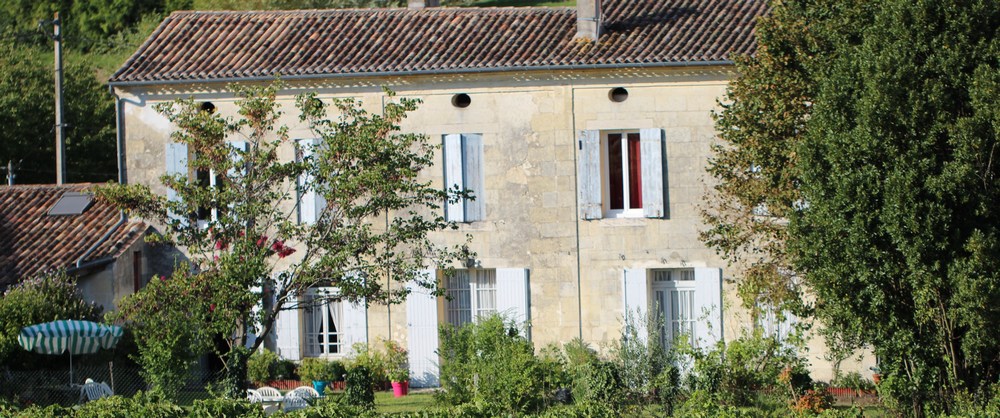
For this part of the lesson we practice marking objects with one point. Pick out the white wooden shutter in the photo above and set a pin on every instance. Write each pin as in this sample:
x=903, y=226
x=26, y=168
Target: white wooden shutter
x=513, y=297
x=311, y=204
x=708, y=306
x=253, y=331
x=289, y=332
x=422, y=335
x=650, y=144
x=239, y=147
x=176, y=163
x=355, y=324
x=453, y=211
x=589, y=174
x=636, y=299
x=472, y=153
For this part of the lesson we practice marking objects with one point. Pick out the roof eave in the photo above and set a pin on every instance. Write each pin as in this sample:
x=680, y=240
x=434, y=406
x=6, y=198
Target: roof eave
x=424, y=72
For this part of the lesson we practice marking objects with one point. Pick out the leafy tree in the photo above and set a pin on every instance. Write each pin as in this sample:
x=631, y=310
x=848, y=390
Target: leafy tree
x=763, y=119
x=373, y=229
x=37, y=300
x=899, y=235
x=28, y=138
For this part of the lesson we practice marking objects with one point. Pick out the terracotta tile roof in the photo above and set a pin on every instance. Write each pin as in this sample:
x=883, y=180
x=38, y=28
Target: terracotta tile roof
x=32, y=242
x=317, y=43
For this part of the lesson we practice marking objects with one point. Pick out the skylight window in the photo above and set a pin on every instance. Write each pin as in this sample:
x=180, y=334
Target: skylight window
x=71, y=203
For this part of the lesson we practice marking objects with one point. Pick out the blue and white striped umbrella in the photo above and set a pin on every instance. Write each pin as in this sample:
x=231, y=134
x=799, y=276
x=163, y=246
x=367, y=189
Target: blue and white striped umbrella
x=72, y=336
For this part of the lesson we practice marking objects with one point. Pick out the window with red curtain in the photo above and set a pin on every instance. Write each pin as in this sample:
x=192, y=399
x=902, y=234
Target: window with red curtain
x=634, y=172
x=624, y=173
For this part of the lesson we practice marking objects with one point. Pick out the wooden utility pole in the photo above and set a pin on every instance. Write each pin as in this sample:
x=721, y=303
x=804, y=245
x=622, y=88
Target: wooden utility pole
x=60, y=139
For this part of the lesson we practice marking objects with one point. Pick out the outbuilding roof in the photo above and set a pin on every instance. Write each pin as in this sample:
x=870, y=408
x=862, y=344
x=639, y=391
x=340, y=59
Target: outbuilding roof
x=239, y=45
x=33, y=241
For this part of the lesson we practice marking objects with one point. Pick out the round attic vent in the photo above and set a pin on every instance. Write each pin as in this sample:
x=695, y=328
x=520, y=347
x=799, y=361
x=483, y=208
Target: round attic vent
x=208, y=107
x=461, y=100
x=618, y=94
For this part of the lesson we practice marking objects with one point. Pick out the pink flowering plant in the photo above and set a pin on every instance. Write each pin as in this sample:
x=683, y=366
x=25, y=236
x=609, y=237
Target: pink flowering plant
x=244, y=248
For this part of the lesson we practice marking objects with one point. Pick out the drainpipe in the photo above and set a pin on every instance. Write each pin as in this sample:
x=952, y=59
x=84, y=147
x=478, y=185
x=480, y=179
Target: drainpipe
x=121, y=221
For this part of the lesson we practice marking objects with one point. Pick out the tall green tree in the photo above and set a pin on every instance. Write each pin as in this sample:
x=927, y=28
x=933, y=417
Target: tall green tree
x=899, y=232
x=27, y=139
x=372, y=231
x=762, y=120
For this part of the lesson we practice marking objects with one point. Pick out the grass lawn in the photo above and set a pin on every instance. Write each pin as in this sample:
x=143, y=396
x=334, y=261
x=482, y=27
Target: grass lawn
x=414, y=402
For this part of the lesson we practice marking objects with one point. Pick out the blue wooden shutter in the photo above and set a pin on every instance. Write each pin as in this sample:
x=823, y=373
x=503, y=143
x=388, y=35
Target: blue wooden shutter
x=650, y=144
x=453, y=177
x=708, y=306
x=473, y=176
x=176, y=164
x=589, y=174
x=635, y=294
x=422, y=335
x=311, y=204
x=513, y=297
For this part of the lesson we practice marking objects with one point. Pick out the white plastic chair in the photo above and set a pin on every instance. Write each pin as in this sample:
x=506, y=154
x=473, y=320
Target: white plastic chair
x=268, y=393
x=94, y=391
x=254, y=396
x=306, y=392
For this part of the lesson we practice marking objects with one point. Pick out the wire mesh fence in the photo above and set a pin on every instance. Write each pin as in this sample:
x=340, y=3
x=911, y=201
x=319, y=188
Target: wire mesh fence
x=55, y=387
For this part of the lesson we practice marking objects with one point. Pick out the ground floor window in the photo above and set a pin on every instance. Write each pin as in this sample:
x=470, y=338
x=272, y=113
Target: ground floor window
x=471, y=294
x=674, y=298
x=323, y=317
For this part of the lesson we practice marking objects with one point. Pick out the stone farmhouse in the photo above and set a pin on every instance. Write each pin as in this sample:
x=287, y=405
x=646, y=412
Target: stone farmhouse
x=584, y=131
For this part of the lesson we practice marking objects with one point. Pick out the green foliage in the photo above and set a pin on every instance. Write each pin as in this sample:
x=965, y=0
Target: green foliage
x=174, y=323
x=28, y=139
x=852, y=380
x=601, y=383
x=34, y=301
x=490, y=365
x=900, y=239
x=318, y=369
x=702, y=404
x=262, y=366
x=359, y=391
x=372, y=359
x=642, y=358
x=140, y=405
x=731, y=373
x=225, y=407
x=397, y=362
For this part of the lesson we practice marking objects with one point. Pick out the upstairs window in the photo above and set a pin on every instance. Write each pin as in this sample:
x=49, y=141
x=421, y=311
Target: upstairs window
x=620, y=174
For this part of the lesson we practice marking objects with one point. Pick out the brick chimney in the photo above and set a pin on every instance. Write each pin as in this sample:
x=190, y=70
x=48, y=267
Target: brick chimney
x=588, y=20
x=420, y=4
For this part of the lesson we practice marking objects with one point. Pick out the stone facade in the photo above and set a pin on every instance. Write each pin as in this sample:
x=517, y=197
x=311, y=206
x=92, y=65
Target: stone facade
x=530, y=124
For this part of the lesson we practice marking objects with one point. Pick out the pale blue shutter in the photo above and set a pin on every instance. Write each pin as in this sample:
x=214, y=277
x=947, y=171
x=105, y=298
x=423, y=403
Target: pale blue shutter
x=635, y=295
x=473, y=176
x=311, y=204
x=239, y=147
x=453, y=177
x=708, y=306
x=513, y=297
x=650, y=144
x=589, y=174
x=355, y=324
x=422, y=335
x=289, y=332
x=176, y=164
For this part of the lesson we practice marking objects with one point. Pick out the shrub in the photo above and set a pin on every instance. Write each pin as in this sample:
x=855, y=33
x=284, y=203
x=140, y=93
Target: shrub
x=601, y=383
x=337, y=370
x=555, y=375
x=813, y=401
x=359, y=387
x=225, y=407
x=488, y=363
x=641, y=356
x=316, y=369
x=397, y=362
x=852, y=380
x=732, y=372
x=373, y=360
x=287, y=369
x=141, y=405
x=262, y=366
